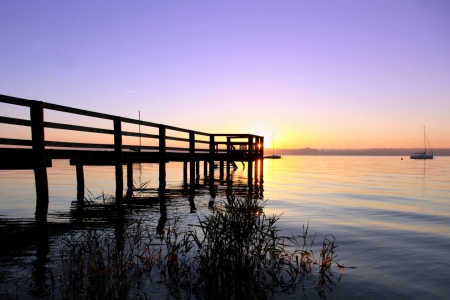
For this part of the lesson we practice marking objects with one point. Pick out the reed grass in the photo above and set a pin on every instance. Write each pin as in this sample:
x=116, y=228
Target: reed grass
x=236, y=252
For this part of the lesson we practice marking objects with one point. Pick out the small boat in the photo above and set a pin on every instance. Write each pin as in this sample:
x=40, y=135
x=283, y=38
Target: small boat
x=424, y=154
x=273, y=156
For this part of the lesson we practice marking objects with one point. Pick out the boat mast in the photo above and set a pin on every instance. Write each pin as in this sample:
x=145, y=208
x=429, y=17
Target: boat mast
x=431, y=150
x=424, y=141
x=139, y=129
x=273, y=143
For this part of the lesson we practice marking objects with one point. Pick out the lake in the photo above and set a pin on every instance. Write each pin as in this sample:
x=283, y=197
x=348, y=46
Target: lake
x=390, y=216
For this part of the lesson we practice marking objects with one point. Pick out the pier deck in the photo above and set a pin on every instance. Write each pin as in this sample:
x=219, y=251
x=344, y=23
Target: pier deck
x=182, y=145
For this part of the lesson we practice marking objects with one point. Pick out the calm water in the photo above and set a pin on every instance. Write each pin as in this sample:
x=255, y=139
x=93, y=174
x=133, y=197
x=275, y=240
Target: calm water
x=391, y=217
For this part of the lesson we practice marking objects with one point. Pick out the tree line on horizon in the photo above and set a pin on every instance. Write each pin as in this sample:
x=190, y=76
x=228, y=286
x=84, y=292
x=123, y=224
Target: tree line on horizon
x=370, y=151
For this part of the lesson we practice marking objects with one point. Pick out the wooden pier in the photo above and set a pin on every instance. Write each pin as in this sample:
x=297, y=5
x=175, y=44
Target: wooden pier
x=191, y=147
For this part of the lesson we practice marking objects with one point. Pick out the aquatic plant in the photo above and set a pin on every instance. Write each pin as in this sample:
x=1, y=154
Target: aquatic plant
x=100, y=263
x=236, y=252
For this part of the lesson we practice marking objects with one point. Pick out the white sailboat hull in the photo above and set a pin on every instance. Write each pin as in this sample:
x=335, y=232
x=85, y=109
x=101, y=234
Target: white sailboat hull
x=421, y=156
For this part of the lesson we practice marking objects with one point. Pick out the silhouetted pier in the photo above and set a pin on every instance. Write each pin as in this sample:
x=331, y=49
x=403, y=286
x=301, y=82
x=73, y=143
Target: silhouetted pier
x=191, y=147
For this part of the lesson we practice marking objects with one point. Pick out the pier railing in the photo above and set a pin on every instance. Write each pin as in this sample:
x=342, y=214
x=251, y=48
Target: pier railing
x=223, y=143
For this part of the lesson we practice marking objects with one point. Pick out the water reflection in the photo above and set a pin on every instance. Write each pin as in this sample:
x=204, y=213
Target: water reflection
x=40, y=270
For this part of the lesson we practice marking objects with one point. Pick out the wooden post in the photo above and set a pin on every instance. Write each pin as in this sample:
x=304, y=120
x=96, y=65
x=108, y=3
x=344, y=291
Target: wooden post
x=80, y=185
x=261, y=176
x=185, y=175
x=129, y=180
x=221, y=171
x=192, y=162
x=212, y=150
x=162, y=161
x=250, y=164
x=256, y=160
x=205, y=172
x=228, y=158
x=197, y=172
x=118, y=161
x=40, y=169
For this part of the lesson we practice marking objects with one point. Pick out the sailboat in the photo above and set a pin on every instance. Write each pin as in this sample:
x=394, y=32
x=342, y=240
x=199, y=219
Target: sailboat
x=273, y=156
x=424, y=154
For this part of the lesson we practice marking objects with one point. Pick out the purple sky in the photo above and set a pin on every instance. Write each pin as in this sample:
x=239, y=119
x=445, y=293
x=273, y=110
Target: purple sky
x=323, y=74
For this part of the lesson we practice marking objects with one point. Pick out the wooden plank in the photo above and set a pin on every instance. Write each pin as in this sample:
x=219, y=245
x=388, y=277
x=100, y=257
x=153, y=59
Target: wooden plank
x=232, y=135
x=232, y=143
x=14, y=100
x=14, y=121
x=145, y=135
x=23, y=163
x=77, y=128
x=77, y=145
x=17, y=142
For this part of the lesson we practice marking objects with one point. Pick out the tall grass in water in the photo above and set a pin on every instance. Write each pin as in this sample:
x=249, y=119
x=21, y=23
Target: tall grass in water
x=107, y=264
x=236, y=252
x=239, y=254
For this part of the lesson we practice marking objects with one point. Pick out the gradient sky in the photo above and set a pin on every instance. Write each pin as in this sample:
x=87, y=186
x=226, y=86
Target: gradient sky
x=320, y=74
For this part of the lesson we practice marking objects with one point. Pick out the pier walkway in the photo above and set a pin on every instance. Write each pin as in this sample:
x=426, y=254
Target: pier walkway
x=161, y=144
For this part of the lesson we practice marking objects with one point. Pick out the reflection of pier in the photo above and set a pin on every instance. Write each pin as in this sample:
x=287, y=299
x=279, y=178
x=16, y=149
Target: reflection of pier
x=162, y=145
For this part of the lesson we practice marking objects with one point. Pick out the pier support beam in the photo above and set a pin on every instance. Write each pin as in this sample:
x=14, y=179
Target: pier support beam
x=162, y=162
x=40, y=169
x=257, y=161
x=197, y=172
x=205, y=172
x=212, y=149
x=185, y=185
x=80, y=185
x=192, y=163
x=162, y=174
x=250, y=164
x=261, y=153
x=205, y=168
x=129, y=180
x=228, y=159
x=221, y=165
x=118, y=162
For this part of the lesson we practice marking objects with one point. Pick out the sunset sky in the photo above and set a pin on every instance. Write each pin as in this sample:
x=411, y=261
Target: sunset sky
x=319, y=74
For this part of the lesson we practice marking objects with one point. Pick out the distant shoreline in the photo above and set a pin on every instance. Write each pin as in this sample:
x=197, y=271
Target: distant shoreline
x=359, y=152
